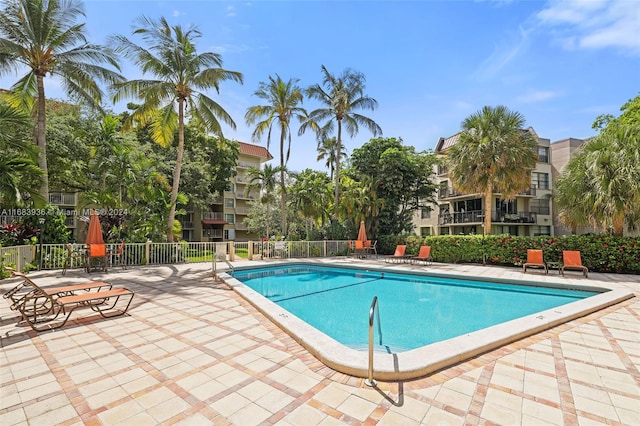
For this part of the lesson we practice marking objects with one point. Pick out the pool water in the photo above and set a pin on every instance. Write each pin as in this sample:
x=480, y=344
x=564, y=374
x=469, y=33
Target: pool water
x=415, y=310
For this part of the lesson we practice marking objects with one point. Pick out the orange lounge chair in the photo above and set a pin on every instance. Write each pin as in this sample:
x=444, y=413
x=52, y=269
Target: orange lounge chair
x=359, y=251
x=398, y=256
x=423, y=256
x=534, y=260
x=571, y=260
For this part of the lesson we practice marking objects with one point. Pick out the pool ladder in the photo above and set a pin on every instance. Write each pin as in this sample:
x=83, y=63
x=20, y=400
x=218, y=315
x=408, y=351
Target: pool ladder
x=220, y=257
x=373, y=311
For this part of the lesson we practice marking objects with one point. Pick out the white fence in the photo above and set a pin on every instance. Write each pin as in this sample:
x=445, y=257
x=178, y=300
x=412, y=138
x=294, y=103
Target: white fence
x=56, y=256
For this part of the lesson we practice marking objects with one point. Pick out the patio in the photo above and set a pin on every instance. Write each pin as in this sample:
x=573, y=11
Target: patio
x=192, y=352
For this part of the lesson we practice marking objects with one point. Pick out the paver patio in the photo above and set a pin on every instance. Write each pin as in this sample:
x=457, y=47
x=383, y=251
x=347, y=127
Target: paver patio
x=192, y=352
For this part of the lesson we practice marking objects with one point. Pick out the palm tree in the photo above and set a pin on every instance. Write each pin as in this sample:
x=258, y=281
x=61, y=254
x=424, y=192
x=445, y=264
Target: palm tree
x=265, y=181
x=283, y=100
x=493, y=153
x=601, y=184
x=328, y=149
x=43, y=36
x=341, y=97
x=180, y=74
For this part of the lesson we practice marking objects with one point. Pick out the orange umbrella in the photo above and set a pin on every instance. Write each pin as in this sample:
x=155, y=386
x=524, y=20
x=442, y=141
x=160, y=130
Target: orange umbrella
x=362, y=233
x=94, y=234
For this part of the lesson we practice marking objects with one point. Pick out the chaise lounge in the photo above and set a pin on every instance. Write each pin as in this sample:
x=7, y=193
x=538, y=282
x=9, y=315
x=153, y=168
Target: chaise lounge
x=41, y=307
x=571, y=260
x=535, y=260
x=423, y=256
x=398, y=256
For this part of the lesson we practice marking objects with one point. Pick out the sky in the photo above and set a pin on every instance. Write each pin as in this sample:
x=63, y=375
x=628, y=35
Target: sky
x=428, y=64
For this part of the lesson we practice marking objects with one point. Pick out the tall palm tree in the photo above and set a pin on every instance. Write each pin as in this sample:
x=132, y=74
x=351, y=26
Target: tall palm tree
x=341, y=96
x=180, y=74
x=493, y=153
x=283, y=104
x=43, y=37
x=265, y=181
x=328, y=150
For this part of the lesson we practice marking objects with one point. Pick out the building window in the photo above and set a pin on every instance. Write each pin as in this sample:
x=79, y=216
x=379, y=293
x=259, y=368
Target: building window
x=425, y=231
x=540, y=180
x=230, y=218
x=425, y=213
x=540, y=206
x=543, y=154
x=229, y=203
x=541, y=230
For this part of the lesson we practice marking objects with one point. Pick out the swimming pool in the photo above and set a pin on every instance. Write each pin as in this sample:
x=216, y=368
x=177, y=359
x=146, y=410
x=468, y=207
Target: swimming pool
x=336, y=301
x=400, y=360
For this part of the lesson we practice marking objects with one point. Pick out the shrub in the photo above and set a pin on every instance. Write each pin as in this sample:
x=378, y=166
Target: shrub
x=599, y=253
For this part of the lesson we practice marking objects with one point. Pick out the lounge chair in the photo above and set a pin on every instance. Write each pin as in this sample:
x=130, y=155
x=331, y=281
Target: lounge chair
x=359, y=250
x=534, y=260
x=571, y=260
x=29, y=289
x=398, y=256
x=40, y=309
x=423, y=256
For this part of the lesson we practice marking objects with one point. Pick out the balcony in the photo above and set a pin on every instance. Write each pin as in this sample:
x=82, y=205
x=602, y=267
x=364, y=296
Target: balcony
x=213, y=216
x=449, y=192
x=477, y=216
x=244, y=165
x=186, y=225
x=241, y=227
x=243, y=196
x=62, y=199
x=242, y=211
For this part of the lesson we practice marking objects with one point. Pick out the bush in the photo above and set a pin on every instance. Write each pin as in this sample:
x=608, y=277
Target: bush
x=599, y=253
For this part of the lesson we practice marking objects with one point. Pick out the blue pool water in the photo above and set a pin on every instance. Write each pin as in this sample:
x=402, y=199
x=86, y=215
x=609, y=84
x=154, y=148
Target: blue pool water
x=415, y=310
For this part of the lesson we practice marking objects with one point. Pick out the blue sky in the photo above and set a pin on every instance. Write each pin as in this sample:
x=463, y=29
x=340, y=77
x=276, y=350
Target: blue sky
x=429, y=64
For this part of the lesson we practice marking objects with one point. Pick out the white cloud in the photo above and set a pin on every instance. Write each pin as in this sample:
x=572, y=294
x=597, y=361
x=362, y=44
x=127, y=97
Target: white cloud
x=231, y=11
x=594, y=24
x=538, y=96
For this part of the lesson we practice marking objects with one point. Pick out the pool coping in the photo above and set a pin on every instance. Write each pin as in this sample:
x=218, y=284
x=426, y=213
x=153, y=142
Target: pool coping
x=420, y=362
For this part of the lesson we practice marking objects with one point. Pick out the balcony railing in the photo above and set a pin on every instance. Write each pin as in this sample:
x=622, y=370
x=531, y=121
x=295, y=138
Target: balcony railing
x=448, y=192
x=186, y=224
x=243, y=196
x=477, y=216
x=213, y=215
x=242, y=210
x=241, y=227
x=62, y=199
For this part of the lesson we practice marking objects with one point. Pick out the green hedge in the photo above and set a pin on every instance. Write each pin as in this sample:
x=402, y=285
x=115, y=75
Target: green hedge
x=599, y=253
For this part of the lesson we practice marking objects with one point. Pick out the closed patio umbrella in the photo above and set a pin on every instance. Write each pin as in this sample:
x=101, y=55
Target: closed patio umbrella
x=362, y=233
x=94, y=234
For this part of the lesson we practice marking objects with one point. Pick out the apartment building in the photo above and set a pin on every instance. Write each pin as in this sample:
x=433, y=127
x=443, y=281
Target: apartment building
x=529, y=214
x=224, y=220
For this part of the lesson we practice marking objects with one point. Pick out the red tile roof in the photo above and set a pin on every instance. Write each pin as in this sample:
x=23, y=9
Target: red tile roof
x=255, y=150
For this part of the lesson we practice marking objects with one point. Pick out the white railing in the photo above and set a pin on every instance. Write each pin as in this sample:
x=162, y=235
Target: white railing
x=17, y=256
x=56, y=256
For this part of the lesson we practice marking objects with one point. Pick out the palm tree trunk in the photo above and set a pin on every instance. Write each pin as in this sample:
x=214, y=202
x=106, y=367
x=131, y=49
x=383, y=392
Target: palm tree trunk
x=618, y=225
x=488, y=201
x=176, y=172
x=283, y=191
x=41, y=139
x=337, y=188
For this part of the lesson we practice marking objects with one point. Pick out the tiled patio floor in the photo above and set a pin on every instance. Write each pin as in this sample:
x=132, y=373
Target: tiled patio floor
x=192, y=352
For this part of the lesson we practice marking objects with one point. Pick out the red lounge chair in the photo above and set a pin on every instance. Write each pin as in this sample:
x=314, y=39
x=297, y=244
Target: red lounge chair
x=571, y=260
x=424, y=255
x=534, y=260
x=398, y=256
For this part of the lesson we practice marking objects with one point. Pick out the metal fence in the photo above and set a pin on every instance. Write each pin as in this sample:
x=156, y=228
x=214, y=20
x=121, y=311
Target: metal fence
x=57, y=256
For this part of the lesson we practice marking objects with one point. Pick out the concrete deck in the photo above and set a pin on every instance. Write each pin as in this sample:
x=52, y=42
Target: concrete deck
x=193, y=352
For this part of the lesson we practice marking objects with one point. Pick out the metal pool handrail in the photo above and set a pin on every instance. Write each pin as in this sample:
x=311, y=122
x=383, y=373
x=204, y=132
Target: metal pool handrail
x=372, y=311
